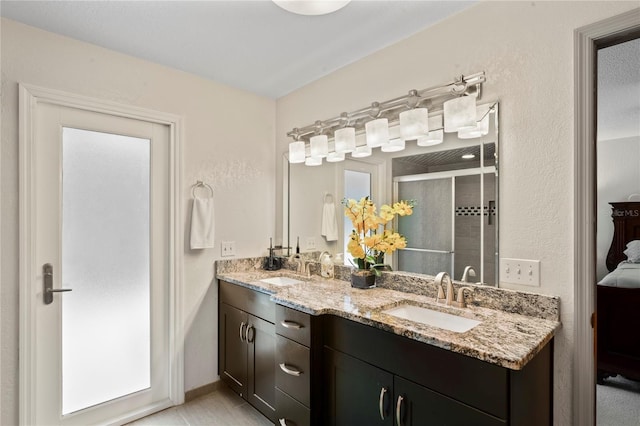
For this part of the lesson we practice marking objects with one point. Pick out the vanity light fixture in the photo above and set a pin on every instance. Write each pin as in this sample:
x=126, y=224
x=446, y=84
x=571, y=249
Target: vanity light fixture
x=297, y=152
x=311, y=7
x=456, y=100
x=481, y=128
x=414, y=123
x=319, y=146
x=313, y=161
x=394, y=145
x=377, y=132
x=335, y=157
x=459, y=114
x=436, y=135
x=361, y=152
x=345, y=140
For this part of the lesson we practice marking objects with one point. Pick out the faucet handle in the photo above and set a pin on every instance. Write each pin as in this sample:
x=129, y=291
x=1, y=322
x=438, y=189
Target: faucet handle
x=460, y=303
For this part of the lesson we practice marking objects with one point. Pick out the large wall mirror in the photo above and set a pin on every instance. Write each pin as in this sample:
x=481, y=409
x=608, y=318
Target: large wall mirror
x=455, y=185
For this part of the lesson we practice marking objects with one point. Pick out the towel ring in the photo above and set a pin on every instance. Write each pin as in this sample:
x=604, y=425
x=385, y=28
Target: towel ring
x=327, y=194
x=199, y=184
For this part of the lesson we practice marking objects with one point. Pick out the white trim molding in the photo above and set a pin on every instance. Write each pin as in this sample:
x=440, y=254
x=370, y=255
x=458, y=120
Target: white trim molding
x=29, y=97
x=585, y=39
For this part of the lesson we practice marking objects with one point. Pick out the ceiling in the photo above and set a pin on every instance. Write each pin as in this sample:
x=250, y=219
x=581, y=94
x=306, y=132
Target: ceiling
x=251, y=45
x=619, y=91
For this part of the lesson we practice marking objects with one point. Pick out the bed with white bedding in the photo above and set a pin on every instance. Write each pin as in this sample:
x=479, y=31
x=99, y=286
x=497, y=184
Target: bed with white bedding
x=618, y=298
x=626, y=275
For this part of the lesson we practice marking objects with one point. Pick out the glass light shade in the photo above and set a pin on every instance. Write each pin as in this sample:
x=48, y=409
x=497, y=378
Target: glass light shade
x=335, y=157
x=394, y=145
x=377, y=132
x=361, y=151
x=297, y=152
x=459, y=114
x=414, y=123
x=481, y=129
x=319, y=146
x=345, y=140
x=311, y=7
x=434, y=137
x=313, y=161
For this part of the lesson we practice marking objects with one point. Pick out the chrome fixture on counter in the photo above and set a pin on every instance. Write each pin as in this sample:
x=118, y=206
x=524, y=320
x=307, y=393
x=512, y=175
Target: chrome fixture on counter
x=449, y=299
x=455, y=100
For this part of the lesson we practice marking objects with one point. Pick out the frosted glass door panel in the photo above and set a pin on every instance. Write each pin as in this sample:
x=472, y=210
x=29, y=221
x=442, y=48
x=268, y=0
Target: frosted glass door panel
x=422, y=262
x=429, y=227
x=106, y=261
x=356, y=185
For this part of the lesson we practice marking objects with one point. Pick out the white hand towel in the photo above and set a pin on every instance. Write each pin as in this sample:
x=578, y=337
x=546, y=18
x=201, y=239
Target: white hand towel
x=202, y=223
x=329, y=223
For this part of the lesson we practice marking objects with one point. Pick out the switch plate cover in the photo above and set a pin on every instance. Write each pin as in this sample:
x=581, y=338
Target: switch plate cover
x=520, y=271
x=311, y=244
x=227, y=248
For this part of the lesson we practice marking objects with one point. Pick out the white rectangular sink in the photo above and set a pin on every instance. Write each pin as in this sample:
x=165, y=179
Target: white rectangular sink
x=432, y=318
x=281, y=281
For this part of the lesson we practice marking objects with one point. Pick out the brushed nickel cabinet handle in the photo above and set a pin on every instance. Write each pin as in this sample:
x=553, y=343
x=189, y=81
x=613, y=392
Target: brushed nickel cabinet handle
x=283, y=422
x=290, y=371
x=383, y=392
x=398, y=410
x=242, y=325
x=253, y=334
x=291, y=324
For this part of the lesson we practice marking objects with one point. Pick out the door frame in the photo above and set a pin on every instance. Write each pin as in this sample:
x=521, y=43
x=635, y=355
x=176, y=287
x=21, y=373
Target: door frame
x=29, y=98
x=585, y=46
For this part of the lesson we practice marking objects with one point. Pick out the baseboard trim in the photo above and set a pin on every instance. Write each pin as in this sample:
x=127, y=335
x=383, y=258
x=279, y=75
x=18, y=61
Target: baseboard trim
x=202, y=390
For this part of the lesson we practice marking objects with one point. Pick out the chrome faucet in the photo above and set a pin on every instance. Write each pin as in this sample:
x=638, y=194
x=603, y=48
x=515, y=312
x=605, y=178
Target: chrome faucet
x=468, y=272
x=300, y=265
x=449, y=299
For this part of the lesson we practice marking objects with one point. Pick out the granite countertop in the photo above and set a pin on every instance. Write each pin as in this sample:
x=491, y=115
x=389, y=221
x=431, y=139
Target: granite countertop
x=503, y=338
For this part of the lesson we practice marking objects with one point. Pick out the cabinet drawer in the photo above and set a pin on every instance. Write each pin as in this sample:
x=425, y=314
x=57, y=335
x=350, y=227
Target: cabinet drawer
x=251, y=301
x=293, y=324
x=290, y=412
x=293, y=373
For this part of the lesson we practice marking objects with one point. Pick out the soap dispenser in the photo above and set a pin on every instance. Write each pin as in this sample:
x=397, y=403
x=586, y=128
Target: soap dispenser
x=326, y=265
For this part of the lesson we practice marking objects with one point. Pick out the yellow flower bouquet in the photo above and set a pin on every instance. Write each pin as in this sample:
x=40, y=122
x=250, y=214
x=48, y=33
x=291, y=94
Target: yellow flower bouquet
x=372, y=236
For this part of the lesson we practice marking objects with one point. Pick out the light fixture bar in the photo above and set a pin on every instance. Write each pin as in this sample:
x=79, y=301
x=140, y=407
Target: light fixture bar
x=390, y=109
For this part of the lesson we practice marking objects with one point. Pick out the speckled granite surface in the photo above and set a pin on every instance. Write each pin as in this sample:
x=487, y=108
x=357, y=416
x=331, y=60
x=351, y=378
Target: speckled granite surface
x=513, y=327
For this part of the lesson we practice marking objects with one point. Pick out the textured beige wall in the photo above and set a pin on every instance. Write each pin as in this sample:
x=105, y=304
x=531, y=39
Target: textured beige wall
x=228, y=142
x=526, y=49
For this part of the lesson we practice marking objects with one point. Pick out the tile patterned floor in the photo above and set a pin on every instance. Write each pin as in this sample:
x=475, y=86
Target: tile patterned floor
x=219, y=408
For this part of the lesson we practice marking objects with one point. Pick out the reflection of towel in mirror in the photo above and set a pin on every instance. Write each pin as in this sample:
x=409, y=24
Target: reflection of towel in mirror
x=202, y=223
x=329, y=222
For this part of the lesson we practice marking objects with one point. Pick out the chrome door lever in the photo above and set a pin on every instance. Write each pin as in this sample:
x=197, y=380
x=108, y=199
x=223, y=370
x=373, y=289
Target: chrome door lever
x=47, y=272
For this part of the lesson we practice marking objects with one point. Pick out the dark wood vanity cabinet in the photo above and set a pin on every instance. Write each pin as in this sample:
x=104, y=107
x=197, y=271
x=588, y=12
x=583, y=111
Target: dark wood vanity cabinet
x=247, y=345
x=378, y=378
x=298, y=375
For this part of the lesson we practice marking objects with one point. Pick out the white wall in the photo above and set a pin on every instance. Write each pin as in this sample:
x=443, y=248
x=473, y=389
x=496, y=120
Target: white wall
x=526, y=49
x=618, y=177
x=228, y=142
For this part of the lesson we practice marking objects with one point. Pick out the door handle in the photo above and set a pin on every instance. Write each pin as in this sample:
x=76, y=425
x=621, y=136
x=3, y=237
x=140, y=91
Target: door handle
x=47, y=273
x=398, y=410
x=383, y=392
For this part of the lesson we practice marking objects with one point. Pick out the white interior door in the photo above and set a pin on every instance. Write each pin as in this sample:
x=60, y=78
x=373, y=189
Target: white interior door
x=101, y=212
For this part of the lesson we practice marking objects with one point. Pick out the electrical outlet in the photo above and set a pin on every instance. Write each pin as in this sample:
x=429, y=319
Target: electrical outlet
x=228, y=248
x=520, y=271
x=311, y=244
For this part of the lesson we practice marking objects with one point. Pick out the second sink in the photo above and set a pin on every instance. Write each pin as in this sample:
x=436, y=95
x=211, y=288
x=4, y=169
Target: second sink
x=432, y=318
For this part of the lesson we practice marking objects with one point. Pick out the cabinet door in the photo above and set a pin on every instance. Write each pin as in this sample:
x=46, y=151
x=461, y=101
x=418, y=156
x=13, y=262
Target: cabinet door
x=415, y=405
x=232, y=353
x=356, y=393
x=261, y=339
